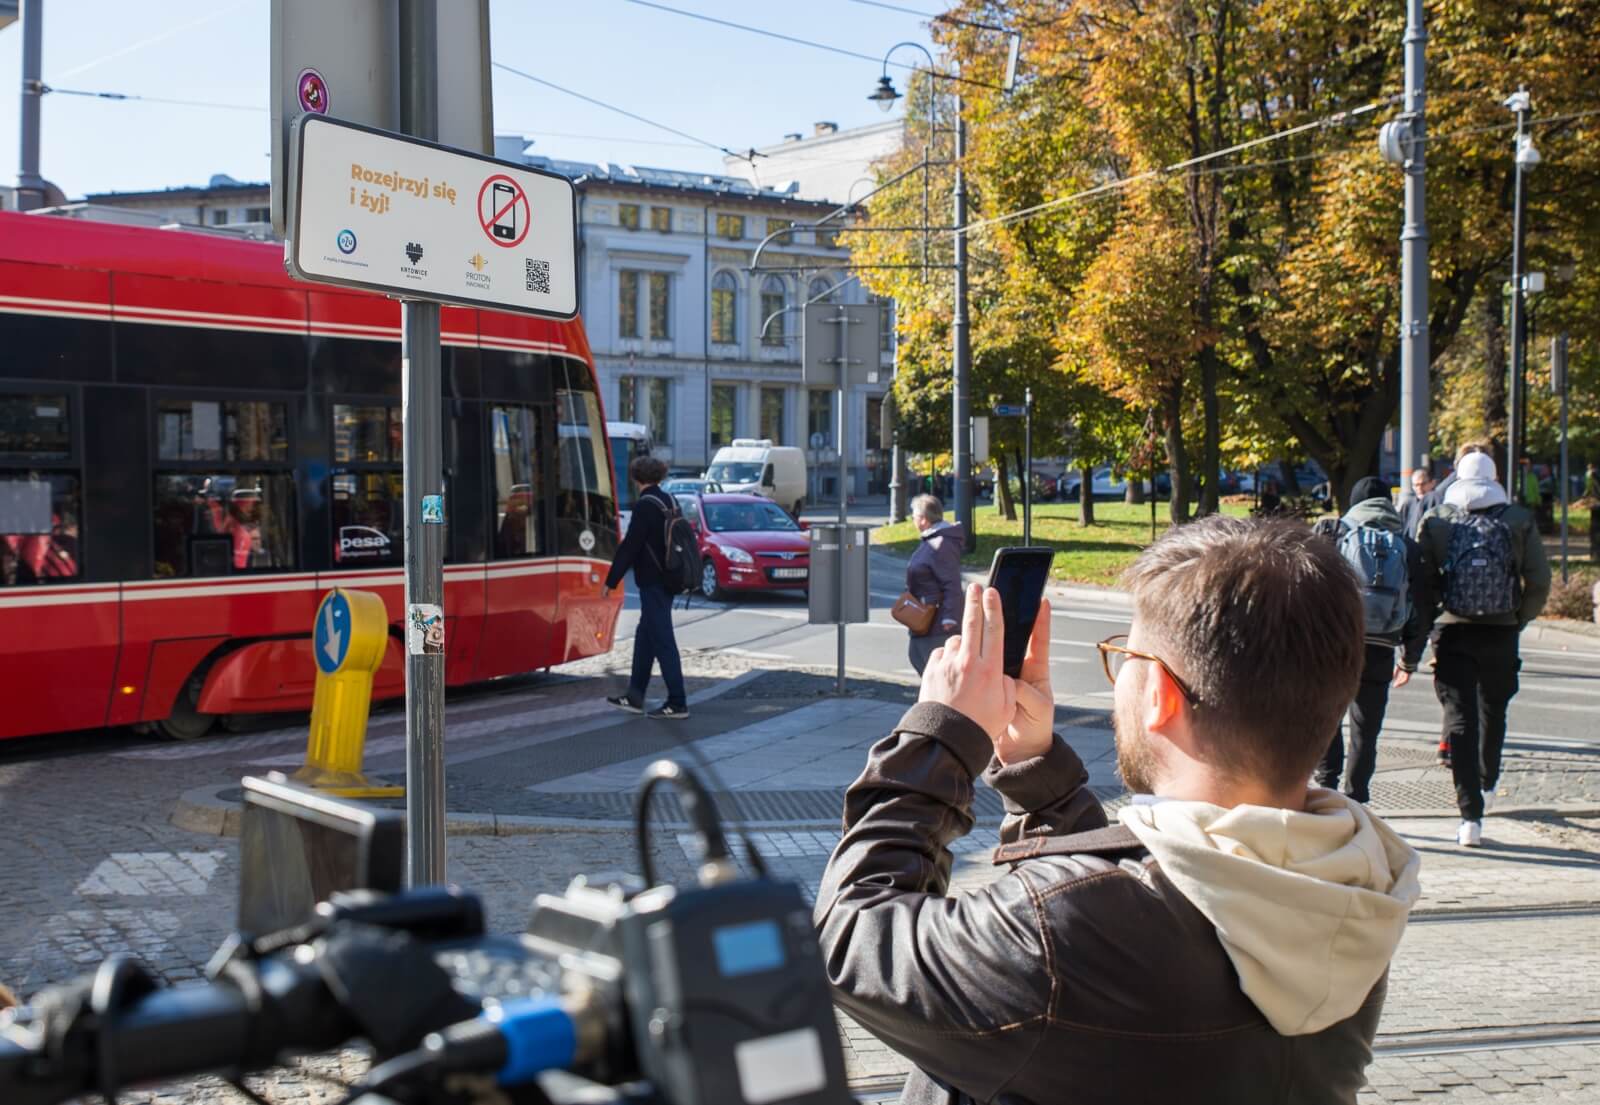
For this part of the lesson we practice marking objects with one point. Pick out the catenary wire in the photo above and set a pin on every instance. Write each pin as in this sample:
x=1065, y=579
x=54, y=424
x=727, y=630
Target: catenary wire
x=160, y=36
x=133, y=96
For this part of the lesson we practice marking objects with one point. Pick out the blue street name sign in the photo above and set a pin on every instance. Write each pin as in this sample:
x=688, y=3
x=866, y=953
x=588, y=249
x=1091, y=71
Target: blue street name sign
x=1009, y=410
x=331, y=640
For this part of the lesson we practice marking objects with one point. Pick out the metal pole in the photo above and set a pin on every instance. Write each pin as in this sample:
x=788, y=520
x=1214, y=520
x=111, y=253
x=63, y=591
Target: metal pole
x=1558, y=373
x=1414, y=351
x=1514, y=410
x=421, y=415
x=966, y=514
x=1027, y=466
x=843, y=347
x=30, y=185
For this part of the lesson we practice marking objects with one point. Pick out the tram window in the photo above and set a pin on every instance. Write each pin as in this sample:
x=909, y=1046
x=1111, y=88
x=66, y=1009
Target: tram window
x=38, y=528
x=368, y=518
x=36, y=425
x=368, y=434
x=201, y=430
x=196, y=511
x=586, y=519
x=518, y=486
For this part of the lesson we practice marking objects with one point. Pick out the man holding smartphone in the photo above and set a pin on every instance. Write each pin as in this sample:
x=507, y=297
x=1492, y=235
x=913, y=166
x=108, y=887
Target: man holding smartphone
x=1229, y=940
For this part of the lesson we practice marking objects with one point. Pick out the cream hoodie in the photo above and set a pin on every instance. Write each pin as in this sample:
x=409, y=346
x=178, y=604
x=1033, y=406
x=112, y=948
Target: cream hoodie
x=1309, y=906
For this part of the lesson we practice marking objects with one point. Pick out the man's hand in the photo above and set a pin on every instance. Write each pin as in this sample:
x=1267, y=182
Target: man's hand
x=1401, y=677
x=967, y=674
x=605, y=592
x=1032, y=725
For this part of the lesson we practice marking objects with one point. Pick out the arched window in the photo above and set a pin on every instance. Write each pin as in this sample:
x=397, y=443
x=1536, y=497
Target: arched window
x=724, y=308
x=774, y=298
x=821, y=291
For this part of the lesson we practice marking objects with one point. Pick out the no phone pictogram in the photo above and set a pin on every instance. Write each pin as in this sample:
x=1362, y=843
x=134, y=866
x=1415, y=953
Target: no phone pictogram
x=503, y=211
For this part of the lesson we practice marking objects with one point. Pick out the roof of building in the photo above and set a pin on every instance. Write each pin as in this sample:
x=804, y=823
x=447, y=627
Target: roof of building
x=221, y=184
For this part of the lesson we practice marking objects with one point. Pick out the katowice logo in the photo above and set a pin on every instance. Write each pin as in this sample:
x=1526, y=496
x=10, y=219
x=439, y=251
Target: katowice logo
x=414, y=251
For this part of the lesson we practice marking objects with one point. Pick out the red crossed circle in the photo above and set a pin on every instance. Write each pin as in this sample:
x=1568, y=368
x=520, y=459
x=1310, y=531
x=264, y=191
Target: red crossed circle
x=487, y=217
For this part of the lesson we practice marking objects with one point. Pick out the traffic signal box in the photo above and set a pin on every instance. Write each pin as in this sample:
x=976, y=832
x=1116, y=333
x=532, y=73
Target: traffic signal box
x=349, y=638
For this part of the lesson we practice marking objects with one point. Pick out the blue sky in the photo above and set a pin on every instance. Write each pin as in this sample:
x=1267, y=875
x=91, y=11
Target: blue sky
x=727, y=86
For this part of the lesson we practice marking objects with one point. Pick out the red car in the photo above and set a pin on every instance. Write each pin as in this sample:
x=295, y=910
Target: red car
x=747, y=543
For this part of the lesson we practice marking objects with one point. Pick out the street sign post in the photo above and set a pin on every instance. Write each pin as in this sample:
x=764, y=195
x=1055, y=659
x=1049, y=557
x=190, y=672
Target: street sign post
x=349, y=639
x=413, y=219
x=1023, y=410
x=1558, y=384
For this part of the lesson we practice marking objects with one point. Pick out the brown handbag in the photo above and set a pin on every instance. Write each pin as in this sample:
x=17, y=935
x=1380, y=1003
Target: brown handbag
x=914, y=614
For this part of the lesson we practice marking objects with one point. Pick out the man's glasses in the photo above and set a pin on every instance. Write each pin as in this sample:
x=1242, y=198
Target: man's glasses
x=1113, y=654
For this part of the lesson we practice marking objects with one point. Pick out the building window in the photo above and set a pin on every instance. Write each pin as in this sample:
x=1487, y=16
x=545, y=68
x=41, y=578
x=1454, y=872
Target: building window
x=258, y=215
x=627, y=399
x=730, y=226
x=660, y=306
x=828, y=239
x=724, y=308
x=821, y=291
x=518, y=483
x=628, y=216
x=874, y=423
x=819, y=418
x=661, y=219
x=628, y=304
x=656, y=412
x=773, y=402
x=885, y=326
x=219, y=216
x=775, y=225
x=724, y=408
x=772, y=304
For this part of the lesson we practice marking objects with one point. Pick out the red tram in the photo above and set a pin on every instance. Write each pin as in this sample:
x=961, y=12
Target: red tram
x=194, y=448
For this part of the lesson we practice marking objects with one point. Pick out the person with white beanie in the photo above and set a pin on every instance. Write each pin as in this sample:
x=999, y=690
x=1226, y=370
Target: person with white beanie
x=1492, y=580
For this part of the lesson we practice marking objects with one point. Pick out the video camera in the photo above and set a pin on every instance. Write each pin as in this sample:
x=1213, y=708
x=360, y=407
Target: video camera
x=619, y=990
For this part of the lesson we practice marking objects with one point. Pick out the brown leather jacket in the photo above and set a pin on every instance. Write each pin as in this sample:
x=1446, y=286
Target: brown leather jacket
x=1083, y=977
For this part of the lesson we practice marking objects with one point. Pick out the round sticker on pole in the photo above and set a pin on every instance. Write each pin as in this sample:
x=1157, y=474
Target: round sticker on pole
x=312, y=91
x=503, y=211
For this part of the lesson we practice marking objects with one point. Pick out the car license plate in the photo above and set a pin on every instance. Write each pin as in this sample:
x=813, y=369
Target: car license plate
x=788, y=573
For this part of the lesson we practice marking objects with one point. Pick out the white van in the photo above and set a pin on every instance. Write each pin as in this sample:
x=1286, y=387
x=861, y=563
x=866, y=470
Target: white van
x=777, y=472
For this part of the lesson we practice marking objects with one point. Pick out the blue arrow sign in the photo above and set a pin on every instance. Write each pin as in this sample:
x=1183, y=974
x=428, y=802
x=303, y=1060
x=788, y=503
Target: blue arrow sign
x=1010, y=410
x=331, y=638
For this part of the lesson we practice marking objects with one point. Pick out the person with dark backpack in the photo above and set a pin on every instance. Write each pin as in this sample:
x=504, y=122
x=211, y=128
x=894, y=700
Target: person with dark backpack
x=1397, y=604
x=1493, y=579
x=650, y=549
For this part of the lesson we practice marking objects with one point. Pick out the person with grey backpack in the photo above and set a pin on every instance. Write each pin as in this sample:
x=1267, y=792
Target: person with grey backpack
x=1398, y=604
x=1493, y=579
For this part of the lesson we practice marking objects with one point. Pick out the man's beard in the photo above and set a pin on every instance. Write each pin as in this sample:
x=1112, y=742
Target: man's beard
x=1136, y=760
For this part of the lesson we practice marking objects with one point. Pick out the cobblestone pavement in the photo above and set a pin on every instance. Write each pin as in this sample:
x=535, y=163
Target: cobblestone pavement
x=93, y=866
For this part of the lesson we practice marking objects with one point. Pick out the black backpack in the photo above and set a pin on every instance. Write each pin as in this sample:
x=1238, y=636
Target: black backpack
x=681, y=570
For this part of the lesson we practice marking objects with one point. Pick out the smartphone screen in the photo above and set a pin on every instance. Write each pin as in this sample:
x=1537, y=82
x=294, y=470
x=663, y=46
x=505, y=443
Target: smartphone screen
x=505, y=226
x=1019, y=573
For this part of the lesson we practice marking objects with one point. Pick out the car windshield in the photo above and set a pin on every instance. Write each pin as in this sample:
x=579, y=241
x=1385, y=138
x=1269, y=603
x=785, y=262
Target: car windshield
x=734, y=473
x=747, y=517
x=690, y=507
x=683, y=487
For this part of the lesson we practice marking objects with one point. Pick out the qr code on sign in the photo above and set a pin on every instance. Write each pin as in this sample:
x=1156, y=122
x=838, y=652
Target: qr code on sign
x=538, y=273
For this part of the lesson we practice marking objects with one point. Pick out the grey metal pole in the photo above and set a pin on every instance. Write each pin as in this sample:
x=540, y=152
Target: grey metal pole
x=1414, y=344
x=843, y=347
x=422, y=415
x=1558, y=377
x=30, y=185
x=1027, y=466
x=1514, y=392
x=966, y=514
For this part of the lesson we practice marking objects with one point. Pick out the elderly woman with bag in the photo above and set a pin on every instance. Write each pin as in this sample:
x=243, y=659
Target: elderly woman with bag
x=930, y=608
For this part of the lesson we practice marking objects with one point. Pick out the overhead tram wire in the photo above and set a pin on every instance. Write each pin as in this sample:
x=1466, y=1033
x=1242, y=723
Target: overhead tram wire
x=135, y=97
x=793, y=40
x=749, y=155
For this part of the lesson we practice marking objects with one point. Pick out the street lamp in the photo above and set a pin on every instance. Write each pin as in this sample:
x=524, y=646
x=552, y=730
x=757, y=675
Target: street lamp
x=1526, y=157
x=884, y=94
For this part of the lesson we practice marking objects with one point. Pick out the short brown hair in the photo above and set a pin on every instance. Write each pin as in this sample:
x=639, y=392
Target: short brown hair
x=647, y=470
x=1469, y=447
x=1264, y=622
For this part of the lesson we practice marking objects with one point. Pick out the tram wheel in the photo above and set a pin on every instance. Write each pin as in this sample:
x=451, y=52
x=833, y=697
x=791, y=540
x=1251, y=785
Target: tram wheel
x=186, y=722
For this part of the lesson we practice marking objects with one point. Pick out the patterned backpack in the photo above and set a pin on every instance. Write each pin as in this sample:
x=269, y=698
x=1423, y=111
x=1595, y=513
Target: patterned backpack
x=1480, y=567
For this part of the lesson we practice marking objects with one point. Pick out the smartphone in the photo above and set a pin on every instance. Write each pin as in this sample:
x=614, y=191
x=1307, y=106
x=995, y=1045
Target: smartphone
x=1019, y=573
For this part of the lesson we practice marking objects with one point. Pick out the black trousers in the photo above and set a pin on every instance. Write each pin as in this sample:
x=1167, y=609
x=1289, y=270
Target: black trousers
x=653, y=643
x=1365, y=719
x=1475, y=681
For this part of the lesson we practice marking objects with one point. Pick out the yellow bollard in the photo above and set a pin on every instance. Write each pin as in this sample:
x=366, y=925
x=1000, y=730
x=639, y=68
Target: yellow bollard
x=349, y=638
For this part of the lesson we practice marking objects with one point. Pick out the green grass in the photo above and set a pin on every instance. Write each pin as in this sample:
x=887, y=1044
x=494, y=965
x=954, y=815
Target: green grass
x=1095, y=554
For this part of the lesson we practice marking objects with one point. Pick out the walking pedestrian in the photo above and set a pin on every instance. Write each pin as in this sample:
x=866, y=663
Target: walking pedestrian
x=1398, y=605
x=1422, y=482
x=644, y=550
x=933, y=576
x=1432, y=500
x=1493, y=579
x=1228, y=941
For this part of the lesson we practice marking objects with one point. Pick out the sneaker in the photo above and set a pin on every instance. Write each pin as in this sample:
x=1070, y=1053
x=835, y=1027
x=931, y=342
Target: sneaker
x=1444, y=754
x=1470, y=834
x=670, y=713
x=623, y=702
